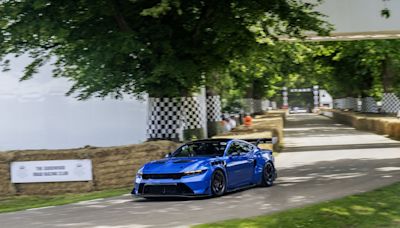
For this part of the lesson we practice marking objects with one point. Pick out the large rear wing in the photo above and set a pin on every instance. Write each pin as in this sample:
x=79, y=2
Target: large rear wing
x=272, y=140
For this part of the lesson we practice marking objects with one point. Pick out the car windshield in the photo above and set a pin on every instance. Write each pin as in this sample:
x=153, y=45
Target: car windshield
x=201, y=149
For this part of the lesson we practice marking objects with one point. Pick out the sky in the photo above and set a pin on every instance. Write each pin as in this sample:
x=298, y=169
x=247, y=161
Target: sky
x=35, y=114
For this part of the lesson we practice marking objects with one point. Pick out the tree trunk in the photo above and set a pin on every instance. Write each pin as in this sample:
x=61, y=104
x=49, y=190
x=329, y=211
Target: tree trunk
x=387, y=75
x=176, y=119
x=213, y=112
x=192, y=118
x=248, y=101
x=258, y=94
x=164, y=119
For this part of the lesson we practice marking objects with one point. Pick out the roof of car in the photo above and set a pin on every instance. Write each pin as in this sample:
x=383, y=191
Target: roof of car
x=214, y=140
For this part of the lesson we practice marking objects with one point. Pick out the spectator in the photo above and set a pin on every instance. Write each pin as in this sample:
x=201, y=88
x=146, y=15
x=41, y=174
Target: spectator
x=226, y=127
x=248, y=120
x=232, y=122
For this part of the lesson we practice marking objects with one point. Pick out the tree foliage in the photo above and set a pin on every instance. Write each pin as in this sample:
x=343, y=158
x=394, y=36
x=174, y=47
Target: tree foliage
x=362, y=68
x=345, y=68
x=163, y=47
x=279, y=64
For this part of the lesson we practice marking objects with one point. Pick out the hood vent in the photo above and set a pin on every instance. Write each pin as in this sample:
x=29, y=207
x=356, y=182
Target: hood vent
x=183, y=161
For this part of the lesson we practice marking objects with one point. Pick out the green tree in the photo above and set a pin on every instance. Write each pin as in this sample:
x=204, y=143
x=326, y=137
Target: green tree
x=361, y=68
x=166, y=48
x=345, y=68
x=275, y=65
x=124, y=46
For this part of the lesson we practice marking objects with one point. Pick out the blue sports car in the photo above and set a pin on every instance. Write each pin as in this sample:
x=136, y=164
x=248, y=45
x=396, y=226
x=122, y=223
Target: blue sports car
x=208, y=167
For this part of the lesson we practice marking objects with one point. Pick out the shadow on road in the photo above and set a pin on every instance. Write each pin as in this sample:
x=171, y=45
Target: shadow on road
x=351, y=171
x=319, y=133
x=342, y=147
x=177, y=199
x=307, y=131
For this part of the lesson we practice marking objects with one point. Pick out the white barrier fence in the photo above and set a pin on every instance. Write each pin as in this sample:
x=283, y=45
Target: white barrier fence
x=389, y=104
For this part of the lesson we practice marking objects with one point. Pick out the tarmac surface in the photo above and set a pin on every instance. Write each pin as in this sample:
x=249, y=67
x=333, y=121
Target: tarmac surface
x=322, y=160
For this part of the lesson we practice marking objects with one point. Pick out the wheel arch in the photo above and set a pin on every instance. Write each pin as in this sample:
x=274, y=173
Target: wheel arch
x=224, y=172
x=273, y=178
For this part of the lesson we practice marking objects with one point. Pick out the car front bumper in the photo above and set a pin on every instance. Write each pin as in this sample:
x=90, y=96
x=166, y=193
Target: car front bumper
x=190, y=186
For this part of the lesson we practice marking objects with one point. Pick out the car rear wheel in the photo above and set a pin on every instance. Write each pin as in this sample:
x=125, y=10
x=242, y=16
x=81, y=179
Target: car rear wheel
x=268, y=175
x=218, y=183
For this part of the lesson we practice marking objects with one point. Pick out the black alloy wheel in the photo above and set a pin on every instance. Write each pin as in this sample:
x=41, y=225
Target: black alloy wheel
x=218, y=183
x=268, y=175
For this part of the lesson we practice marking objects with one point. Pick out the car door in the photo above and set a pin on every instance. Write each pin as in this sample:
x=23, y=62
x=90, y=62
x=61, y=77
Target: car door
x=237, y=165
x=248, y=167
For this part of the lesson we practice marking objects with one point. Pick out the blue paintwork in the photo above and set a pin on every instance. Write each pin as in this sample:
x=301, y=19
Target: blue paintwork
x=240, y=170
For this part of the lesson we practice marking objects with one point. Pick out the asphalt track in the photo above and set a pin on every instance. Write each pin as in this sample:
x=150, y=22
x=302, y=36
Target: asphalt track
x=322, y=160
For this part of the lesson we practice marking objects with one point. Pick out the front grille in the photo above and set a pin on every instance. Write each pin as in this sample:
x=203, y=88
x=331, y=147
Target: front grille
x=163, y=176
x=178, y=189
x=140, y=189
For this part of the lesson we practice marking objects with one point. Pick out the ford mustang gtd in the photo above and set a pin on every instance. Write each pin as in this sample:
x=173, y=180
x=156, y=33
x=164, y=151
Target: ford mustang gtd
x=208, y=167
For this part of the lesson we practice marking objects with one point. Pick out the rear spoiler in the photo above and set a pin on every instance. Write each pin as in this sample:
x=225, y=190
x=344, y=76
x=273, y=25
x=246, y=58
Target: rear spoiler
x=272, y=140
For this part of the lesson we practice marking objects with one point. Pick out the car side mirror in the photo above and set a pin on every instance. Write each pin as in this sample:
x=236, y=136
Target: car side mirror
x=168, y=155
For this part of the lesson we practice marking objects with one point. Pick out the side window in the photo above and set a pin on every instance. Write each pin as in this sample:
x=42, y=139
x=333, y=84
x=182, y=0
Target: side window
x=187, y=151
x=240, y=148
x=233, y=148
x=251, y=147
x=245, y=148
x=184, y=151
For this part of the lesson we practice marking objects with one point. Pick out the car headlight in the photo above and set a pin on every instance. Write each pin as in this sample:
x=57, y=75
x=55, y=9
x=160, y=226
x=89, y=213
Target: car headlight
x=195, y=172
x=139, y=174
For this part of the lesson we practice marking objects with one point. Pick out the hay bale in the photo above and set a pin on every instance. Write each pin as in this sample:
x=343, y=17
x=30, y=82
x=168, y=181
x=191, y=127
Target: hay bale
x=382, y=124
x=112, y=166
x=395, y=133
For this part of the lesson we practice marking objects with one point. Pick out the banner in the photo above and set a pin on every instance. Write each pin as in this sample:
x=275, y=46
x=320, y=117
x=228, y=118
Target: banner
x=51, y=171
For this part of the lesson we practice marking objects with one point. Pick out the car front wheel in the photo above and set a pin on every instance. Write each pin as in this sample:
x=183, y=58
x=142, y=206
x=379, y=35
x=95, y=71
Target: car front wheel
x=218, y=183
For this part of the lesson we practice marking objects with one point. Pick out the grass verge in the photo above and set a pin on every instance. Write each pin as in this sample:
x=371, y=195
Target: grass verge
x=379, y=208
x=17, y=203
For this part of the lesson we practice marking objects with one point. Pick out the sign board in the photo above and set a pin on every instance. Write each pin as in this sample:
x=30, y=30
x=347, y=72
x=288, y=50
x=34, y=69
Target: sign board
x=301, y=90
x=51, y=171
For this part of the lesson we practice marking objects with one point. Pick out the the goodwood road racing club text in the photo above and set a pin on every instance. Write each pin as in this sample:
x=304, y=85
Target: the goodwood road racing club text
x=50, y=171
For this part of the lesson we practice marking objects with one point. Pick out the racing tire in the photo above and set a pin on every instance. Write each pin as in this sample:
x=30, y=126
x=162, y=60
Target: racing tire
x=218, y=183
x=269, y=175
